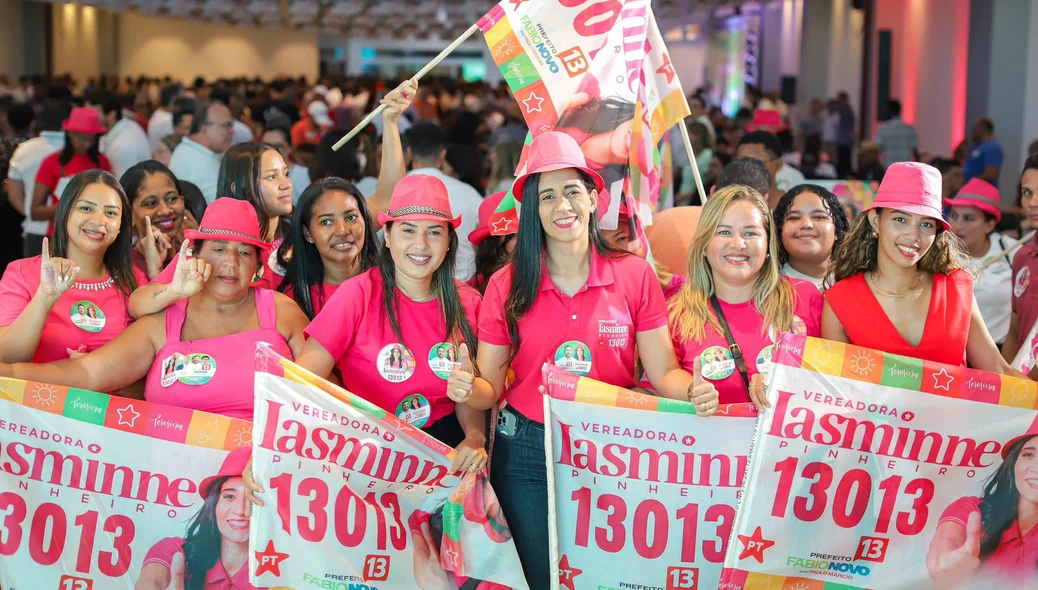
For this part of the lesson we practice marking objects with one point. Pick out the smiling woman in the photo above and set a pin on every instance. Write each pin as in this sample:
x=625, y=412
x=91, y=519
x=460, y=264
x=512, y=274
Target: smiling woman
x=158, y=215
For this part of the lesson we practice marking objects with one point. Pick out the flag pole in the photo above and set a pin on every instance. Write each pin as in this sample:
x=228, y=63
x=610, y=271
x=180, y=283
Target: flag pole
x=425, y=70
x=692, y=161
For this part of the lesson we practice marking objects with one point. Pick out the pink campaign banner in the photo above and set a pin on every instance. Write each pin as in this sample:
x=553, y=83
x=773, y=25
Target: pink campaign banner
x=358, y=500
x=642, y=492
x=100, y=492
x=873, y=470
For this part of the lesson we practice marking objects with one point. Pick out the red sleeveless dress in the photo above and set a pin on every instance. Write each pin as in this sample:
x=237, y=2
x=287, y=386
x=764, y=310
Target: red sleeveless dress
x=947, y=321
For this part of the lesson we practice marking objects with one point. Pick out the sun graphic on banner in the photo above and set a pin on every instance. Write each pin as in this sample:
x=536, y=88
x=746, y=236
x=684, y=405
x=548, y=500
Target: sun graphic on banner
x=861, y=363
x=823, y=354
x=800, y=586
x=243, y=436
x=44, y=395
x=635, y=398
x=503, y=48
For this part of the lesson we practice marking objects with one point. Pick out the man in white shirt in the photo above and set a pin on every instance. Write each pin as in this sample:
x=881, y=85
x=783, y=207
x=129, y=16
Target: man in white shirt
x=161, y=123
x=197, y=158
x=25, y=163
x=126, y=144
x=426, y=149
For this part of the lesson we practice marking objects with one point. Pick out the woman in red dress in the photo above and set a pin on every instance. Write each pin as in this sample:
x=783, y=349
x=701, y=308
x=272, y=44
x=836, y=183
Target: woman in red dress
x=900, y=286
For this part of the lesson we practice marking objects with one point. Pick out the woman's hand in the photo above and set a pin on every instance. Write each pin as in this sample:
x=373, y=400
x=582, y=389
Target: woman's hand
x=251, y=489
x=472, y=455
x=398, y=101
x=190, y=275
x=702, y=394
x=459, y=384
x=758, y=393
x=57, y=275
x=950, y=562
x=176, y=572
x=155, y=247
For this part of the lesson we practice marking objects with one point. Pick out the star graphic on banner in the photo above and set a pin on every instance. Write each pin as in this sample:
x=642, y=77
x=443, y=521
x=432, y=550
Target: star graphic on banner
x=128, y=410
x=945, y=377
x=501, y=225
x=567, y=573
x=667, y=68
x=516, y=3
x=530, y=99
x=754, y=546
x=269, y=560
x=452, y=558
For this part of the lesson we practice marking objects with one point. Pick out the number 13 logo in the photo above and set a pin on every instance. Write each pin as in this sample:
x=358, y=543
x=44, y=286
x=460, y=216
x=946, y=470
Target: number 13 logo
x=682, y=578
x=376, y=568
x=72, y=583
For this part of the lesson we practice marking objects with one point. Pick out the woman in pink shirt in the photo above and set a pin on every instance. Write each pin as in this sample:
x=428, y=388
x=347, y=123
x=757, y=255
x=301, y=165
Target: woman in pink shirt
x=45, y=300
x=332, y=239
x=214, y=552
x=158, y=210
x=220, y=315
x=993, y=539
x=735, y=283
x=565, y=289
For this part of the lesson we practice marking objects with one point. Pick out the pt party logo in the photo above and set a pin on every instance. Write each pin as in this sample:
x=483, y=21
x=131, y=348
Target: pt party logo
x=358, y=498
x=100, y=492
x=638, y=479
x=873, y=470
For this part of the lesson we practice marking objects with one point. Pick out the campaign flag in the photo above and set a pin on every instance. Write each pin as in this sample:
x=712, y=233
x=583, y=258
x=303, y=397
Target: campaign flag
x=638, y=479
x=1027, y=356
x=874, y=470
x=99, y=492
x=600, y=72
x=356, y=498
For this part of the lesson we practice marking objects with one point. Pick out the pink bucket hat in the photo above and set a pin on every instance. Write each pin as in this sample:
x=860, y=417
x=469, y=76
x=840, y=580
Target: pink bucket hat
x=911, y=187
x=233, y=466
x=420, y=197
x=84, y=120
x=552, y=151
x=980, y=194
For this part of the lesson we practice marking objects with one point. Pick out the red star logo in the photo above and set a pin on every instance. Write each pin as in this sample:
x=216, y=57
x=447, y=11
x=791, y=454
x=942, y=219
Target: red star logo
x=943, y=380
x=667, y=68
x=533, y=103
x=567, y=573
x=501, y=225
x=754, y=546
x=269, y=560
x=516, y=3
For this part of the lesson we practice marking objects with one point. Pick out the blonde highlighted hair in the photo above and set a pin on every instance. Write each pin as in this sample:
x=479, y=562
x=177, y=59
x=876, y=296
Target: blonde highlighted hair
x=774, y=297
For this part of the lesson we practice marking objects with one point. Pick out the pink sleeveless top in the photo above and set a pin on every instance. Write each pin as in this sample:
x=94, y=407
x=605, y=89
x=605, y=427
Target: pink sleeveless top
x=213, y=374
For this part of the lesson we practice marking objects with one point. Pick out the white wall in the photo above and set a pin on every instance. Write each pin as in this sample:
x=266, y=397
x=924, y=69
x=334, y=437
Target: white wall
x=75, y=44
x=12, y=53
x=185, y=49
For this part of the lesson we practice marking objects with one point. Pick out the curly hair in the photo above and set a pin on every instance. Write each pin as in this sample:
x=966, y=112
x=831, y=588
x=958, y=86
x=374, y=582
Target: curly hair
x=832, y=206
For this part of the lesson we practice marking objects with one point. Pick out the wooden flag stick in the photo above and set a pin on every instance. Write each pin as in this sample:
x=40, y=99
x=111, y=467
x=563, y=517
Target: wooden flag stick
x=432, y=64
x=1006, y=252
x=692, y=161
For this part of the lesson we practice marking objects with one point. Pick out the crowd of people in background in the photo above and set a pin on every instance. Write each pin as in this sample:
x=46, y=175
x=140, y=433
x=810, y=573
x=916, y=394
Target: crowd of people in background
x=152, y=228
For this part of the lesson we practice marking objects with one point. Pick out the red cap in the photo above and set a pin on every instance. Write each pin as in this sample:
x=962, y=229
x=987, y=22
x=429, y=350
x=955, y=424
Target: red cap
x=552, y=151
x=229, y=219
x=420, y=197
x=977, y=193
x=486, y=209
x=84, y=120
x=911, y=187
x=1032, y=431
x=767, y=120
x=233, y=466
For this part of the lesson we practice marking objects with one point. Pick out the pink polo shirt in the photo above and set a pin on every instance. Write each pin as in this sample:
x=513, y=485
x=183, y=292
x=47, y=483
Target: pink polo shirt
x=591, y=334
x=407, y=378
x=1025, y=288
x=317, y=292
x=1015, y=558
x=217, y=578
x=66, y=327
x=753, y=338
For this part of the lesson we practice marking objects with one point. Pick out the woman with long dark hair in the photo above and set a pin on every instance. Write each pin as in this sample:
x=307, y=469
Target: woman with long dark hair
x=81, y=153
x=215, y=551
x=899, y=284
x=332, y=239
x=564, y=287
x=993, y=536
x=158, y=212
x=382, y=328
x=86, y=263
x=810, y=223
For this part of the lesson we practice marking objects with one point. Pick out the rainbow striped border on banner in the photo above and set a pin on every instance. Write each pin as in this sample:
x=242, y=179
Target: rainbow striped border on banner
x=892, y=370
x=565, y=386
x=169, y=423
x=746, y=580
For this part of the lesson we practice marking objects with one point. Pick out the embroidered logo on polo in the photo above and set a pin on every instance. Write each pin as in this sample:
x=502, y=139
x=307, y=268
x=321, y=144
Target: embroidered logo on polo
x=1023, y=280
x=87, y=316
x=190, y=369
x=443, y=358
x=415, y=410
x=613, y=334
x=574, y=356
x=717, y=363
x=395, y=363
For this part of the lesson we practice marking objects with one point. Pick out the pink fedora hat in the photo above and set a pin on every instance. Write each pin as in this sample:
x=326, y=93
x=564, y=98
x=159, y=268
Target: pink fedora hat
x=911, y=187
x=551, y=151
x=420, y=197
x=231, y=220
x=980, y=194
x=84, y=120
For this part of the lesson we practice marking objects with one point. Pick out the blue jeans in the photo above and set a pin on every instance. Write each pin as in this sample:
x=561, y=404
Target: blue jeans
x=520, y=479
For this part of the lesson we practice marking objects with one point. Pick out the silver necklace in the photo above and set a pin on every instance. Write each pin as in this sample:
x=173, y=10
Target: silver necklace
x=94, y=286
